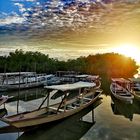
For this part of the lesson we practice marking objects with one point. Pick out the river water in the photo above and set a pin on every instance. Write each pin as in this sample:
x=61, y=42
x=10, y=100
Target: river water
x=107, y=119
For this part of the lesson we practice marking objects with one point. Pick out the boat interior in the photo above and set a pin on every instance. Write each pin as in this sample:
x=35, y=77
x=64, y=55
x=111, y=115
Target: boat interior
x=56, y=108
x=119, y=90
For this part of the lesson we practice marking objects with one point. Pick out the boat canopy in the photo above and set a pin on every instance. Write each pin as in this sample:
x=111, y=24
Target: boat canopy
x=66, y=87
x=17, y=73
x=69, y=75
x=93, y=77
x=46, y=76
x=120, y=80
x=82, y=76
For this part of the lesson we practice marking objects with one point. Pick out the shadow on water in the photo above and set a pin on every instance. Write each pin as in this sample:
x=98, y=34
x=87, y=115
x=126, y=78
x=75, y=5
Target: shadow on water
x=124, y=109
x=72, y=128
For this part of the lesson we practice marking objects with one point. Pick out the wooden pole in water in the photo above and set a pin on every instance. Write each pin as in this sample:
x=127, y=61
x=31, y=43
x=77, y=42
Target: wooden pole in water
x=5, y=67
x=80, y=96
x=18, y=90
x=93, y=118
x=3, y=76
x=36, y=90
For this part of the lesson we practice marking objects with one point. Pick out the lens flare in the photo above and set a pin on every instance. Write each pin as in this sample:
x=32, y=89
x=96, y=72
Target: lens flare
x=128, y=50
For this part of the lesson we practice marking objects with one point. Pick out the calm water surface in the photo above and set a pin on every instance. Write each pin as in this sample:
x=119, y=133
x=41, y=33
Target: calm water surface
x=111, y=120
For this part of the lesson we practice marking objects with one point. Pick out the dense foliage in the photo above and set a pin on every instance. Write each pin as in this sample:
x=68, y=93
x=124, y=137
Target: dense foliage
x=109, y=64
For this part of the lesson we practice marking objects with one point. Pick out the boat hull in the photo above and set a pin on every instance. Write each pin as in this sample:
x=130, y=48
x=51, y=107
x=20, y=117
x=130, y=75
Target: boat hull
x=136, y=95
x=47, y=119
x=122, y=98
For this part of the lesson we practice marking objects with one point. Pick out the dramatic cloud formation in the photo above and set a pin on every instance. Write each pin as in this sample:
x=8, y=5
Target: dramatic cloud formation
x=68, y=27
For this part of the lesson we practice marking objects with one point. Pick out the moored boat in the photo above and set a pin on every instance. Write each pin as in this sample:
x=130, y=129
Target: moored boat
x=121, y=89
x=135, y=86
x=71, y=78
x=67, y=107
x=23, y=80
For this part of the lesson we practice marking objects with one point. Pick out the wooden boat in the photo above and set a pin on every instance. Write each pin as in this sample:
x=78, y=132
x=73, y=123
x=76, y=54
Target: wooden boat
x=61, y=110
x=71, y=78
x=70, y=121
x=76, y=127
x=135, y=86
x=120, y=88
x=96, y=79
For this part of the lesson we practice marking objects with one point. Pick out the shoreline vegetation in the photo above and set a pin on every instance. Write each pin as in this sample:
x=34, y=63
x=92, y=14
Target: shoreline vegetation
x=107, y=64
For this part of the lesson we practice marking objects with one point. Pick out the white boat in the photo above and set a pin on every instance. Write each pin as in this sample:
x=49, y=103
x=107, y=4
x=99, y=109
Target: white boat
x=135, y=86
x=82, y=77
x=61, y=110
x=22, y=80
x=121, y=89
x=96, y=79
x=52, y=80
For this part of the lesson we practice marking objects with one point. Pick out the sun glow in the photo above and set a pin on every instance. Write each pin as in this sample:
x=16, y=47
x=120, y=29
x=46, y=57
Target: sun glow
x=129, y=50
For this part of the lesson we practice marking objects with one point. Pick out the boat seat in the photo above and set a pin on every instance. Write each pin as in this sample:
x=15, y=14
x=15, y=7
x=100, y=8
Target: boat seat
x=54, y=108
x=76, y=104
x=119, y=91
x=87, y=99
x=128, y=95
x=122, y=94
x=21, y=116
x=71, y=107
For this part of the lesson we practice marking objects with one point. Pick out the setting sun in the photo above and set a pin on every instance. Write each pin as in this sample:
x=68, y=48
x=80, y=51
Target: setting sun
x=129, y=50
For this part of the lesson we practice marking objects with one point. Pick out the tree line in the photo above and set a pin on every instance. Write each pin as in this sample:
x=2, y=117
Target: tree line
x=109, y=64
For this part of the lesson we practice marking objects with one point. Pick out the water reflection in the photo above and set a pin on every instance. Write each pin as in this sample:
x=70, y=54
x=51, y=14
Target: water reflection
x=124, y=109
x=111, y=121
x=21, y=101
x=72, y=128
x=113, y=127
x=30, y=100
x=25, y=95
x=121, y=108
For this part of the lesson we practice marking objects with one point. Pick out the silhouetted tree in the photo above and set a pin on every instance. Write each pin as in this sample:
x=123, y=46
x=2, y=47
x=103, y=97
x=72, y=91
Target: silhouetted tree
x=108, y=64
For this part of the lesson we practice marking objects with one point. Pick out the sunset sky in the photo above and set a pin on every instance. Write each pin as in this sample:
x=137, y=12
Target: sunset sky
x=69, y=29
